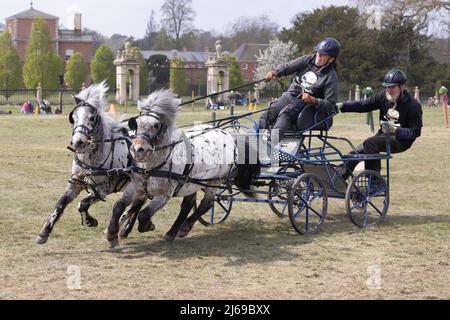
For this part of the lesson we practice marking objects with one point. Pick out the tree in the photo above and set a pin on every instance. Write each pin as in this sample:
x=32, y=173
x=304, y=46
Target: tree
x=177, y=16
x=42, y=65
x=360, y=53
x=368, y=53
x=236, y=78
x=97, y=38
x=10, y=66
x=152, y=31
x=419, y=12
x=278, y=53
x=160, y=71
x=102, y=66
x=163, y=41
x=177, y=76
x=144, y=71
x=259, y=29
x=75, y=72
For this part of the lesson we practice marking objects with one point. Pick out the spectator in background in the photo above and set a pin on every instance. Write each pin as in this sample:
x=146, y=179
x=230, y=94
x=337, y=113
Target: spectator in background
x=430, y=102
x=27, y=108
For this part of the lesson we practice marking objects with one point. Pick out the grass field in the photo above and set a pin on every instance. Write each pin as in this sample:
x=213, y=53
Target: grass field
x=255, y=255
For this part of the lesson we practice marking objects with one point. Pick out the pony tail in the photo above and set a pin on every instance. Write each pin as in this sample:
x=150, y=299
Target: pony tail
x=247, y=172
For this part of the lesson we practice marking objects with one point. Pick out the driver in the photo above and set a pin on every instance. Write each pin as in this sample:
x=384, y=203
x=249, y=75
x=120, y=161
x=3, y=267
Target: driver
x=400, y=118
x=315, y=84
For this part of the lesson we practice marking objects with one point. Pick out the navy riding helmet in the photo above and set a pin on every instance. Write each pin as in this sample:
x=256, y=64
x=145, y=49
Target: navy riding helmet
x=329, y=46
x=395, y=77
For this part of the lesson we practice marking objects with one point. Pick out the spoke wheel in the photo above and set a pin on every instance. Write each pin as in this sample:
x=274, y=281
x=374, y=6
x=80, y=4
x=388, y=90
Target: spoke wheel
x=220, y=211
x=308, y=204
x=279, y=191
x=367, y=199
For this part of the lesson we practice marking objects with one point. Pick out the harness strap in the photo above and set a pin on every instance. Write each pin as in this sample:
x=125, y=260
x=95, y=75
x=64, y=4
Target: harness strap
x=187, y=171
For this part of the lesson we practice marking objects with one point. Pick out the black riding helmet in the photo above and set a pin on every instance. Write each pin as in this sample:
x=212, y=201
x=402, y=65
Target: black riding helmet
x=329, y=46
x=395, y=77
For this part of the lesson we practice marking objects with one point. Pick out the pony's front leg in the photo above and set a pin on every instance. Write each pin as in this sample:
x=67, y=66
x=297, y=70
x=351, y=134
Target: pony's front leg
x=145, y=217
x=205, y=205
x=83, y=208
x=186, y=207
x=129, y=223
x=71, y=193
x=128, y=198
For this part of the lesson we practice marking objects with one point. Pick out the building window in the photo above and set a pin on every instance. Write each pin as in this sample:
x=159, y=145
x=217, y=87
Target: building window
x=69, y=54
x=244, y=66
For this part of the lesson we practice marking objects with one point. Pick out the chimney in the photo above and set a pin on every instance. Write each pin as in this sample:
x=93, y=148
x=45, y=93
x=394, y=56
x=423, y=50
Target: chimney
x=77, y=24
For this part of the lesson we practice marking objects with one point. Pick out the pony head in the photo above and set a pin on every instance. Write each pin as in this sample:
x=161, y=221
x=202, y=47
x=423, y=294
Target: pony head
x=86, y=117
x=156, y=120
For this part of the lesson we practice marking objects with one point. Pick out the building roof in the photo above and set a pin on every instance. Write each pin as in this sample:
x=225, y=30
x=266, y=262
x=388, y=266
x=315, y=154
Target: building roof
x=248, y=51
x=188, y=56
x=72, y=36
x=32, y=13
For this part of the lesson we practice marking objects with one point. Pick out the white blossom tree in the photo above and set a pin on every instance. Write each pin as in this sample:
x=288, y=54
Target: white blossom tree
x=279, y=52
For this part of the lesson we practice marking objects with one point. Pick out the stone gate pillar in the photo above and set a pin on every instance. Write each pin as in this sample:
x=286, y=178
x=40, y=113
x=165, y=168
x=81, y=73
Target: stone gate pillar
x=218, y=72
x=127, y=72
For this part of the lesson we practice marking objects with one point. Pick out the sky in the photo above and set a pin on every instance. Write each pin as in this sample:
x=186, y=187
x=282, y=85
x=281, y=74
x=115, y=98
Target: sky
x=129, y=17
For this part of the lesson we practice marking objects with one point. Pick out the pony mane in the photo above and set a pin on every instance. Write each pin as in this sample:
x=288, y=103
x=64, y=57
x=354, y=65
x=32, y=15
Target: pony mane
x=163, y=102
x=95, y=96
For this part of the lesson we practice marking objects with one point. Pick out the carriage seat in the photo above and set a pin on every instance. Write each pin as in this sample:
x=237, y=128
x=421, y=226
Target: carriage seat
x=310, y=116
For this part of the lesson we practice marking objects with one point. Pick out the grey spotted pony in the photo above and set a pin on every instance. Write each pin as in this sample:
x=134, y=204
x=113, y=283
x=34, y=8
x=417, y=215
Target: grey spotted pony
x=173, y=163
x=101, y=150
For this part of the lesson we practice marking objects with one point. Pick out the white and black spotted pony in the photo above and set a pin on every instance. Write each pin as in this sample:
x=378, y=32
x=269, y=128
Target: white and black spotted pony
x=173, y=163
x=101, y=147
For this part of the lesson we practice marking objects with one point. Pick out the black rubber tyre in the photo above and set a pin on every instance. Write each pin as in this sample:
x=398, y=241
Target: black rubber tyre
x=367, y=199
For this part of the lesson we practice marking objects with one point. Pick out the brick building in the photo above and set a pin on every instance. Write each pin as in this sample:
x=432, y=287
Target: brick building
x=64, y=42
x=246, y=56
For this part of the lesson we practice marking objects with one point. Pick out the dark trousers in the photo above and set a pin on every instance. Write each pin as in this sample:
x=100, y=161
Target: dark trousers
x=374, y=145
x=282, y=114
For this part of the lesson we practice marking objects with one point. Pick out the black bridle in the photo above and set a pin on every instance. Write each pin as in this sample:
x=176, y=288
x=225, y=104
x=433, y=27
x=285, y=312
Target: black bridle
x=132, y=123
x=88, y=132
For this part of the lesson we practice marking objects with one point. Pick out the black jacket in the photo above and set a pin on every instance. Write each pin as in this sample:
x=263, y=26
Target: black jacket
x=321, y=83
x=409, y=109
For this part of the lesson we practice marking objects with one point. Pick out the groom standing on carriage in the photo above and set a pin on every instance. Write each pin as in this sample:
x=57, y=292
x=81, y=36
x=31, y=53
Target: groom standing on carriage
x=315, y=84
x=400, y=119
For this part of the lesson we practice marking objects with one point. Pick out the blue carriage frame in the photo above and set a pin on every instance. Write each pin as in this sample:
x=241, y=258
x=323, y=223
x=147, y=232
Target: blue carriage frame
x=316, y=163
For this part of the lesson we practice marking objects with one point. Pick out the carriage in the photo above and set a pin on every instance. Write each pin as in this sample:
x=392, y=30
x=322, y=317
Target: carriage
x=295, y=176
x=302, y=171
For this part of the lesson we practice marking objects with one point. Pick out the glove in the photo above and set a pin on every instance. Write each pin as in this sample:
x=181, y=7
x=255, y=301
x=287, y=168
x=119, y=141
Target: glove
x=388, y=127
x=338, y=107
x=271, y=75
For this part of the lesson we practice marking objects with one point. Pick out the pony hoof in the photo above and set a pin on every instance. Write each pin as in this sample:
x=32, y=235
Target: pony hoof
x=113, y=243
x=113, y=239
x=169, y=238
x=92, y=223
x=146, y=227
x=183, y=233
x=123, y=234
x=41, y=240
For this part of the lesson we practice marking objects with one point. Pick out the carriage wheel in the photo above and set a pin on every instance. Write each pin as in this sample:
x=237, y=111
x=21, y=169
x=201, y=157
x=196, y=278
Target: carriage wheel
x=308, y=204
x=367, y=199
x=220, y=210
x=279, y=189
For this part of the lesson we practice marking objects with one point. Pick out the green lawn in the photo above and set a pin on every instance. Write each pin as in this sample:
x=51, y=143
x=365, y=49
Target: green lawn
x=255, y=255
